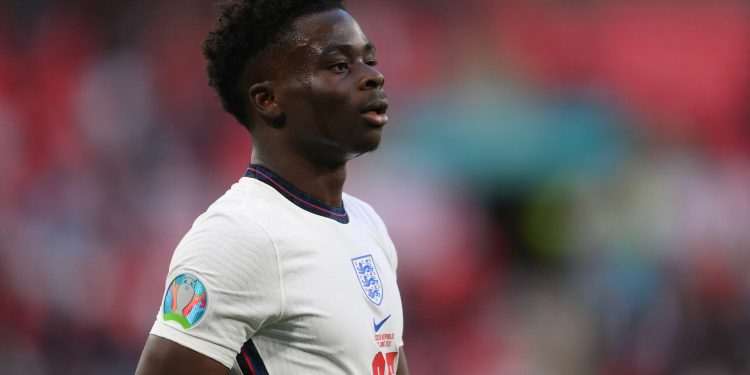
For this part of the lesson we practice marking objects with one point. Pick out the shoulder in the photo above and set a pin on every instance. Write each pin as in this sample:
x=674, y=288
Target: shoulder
x=228, y=239
x=224, y=281
x=239, y=215
x=362, y=212
x=361, y=209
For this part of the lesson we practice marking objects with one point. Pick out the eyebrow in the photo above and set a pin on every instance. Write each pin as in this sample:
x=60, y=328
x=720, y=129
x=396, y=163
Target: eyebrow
x=328, y=49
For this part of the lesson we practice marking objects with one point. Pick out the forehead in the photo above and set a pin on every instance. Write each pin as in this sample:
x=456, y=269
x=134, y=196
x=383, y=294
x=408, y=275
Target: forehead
x=318, y=33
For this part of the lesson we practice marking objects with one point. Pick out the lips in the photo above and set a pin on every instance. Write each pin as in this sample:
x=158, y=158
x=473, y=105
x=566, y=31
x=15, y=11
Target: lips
x=374, y=112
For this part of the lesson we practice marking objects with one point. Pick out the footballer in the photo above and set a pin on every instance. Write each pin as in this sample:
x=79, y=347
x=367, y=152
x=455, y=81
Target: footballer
x=285, y=273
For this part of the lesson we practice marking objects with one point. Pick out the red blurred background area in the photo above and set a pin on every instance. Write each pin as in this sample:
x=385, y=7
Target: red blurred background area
x=567, y=183
x=684, y=65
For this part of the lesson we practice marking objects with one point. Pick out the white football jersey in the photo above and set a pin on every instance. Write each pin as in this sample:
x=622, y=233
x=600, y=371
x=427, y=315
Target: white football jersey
x=270, y=280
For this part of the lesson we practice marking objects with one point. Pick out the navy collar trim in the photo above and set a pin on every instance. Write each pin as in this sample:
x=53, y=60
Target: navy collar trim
x=296, y=196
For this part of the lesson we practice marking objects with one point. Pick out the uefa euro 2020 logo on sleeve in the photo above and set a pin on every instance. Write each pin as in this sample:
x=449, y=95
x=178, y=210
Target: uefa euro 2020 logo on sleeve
x=185, y=301
x=368, y=277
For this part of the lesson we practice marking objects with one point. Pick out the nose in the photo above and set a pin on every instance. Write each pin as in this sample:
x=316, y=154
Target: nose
x=372, y=79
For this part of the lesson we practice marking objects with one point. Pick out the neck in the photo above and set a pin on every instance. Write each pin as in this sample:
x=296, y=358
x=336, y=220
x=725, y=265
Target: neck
x=325, y=183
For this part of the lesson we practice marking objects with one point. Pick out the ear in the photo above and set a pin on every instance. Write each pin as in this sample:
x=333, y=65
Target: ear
x=263, y=100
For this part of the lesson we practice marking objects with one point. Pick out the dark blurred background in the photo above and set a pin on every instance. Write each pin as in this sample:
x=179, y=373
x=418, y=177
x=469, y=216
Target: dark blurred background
x=567, y=182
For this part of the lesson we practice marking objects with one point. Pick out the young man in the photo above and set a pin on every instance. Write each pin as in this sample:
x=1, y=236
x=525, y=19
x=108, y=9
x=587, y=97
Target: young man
x=286, y=274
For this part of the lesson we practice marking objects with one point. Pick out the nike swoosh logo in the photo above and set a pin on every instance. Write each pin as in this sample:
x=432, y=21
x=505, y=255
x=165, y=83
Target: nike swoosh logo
x=378, y=325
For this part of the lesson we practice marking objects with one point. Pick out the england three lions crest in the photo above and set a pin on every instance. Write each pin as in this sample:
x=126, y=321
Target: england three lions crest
x=369, y=279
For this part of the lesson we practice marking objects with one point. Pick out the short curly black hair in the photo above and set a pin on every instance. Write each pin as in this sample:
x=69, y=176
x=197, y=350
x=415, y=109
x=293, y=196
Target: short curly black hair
x=244, y=29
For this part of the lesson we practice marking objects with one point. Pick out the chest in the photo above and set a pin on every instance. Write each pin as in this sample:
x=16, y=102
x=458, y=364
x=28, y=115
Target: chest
x=340, y=292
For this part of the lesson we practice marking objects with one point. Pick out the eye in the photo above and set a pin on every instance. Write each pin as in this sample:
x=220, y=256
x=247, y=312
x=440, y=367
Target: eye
x=371, y=62
x=339, y=67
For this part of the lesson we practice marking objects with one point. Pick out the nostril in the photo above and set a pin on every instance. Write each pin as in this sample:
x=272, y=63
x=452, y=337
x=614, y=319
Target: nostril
x=371, y=81
x=374, y=83
x=371, y=84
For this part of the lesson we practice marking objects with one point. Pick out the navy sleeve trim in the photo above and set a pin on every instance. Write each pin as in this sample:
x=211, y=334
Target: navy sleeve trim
x=250, y=361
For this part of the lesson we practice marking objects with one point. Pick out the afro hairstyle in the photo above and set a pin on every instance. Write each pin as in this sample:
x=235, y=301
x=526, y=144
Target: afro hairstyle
x=244, y=30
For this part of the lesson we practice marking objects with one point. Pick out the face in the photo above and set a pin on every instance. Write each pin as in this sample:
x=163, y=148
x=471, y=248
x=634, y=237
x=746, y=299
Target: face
x=329, y=90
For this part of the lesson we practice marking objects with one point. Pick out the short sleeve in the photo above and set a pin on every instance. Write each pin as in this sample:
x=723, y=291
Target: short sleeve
x=223, y=286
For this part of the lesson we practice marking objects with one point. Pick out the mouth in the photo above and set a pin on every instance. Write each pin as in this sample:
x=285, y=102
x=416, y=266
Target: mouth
x=374, y=112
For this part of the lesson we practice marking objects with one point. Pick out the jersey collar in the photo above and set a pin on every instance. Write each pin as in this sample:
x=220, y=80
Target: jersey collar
x=296, y=196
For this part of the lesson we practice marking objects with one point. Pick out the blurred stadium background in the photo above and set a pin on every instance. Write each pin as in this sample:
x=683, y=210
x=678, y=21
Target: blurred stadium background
x=567, y=182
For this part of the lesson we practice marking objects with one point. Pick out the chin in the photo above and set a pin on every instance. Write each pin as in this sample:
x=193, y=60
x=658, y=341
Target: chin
x=362, y=149
x=369, y=145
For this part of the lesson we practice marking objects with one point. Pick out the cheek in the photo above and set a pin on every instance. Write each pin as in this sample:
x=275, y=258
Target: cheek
x=330, y=98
